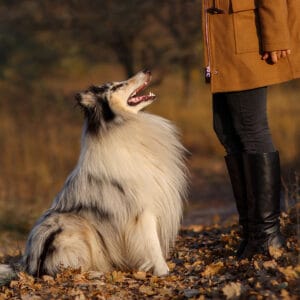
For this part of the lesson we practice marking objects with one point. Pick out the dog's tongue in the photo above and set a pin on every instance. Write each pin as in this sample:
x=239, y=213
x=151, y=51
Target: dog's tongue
x=138, y=99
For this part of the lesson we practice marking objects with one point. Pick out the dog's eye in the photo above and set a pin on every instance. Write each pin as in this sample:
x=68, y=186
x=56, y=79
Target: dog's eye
x=98, y=89
x=114, y=88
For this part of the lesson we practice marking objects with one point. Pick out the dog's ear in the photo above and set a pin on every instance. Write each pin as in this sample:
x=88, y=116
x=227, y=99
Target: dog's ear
x=86, y=99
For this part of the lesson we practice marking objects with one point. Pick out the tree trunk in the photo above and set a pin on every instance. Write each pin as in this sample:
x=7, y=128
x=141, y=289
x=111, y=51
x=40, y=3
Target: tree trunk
x=124, y=52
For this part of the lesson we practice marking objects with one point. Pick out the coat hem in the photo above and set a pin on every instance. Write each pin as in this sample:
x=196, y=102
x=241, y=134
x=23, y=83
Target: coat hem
x=251, y=86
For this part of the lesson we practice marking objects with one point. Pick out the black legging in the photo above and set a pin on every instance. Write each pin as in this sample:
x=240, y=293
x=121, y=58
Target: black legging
x=240, y=121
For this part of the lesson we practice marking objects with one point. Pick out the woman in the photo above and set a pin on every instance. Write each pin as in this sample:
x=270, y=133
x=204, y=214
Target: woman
x=250, y=44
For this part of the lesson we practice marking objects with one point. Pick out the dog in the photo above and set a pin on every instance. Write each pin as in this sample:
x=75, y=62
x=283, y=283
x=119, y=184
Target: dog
x=121, y=206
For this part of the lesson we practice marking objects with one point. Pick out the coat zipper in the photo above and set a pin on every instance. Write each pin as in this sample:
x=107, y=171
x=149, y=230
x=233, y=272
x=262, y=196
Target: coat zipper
x=209, y=10
x=207, y=68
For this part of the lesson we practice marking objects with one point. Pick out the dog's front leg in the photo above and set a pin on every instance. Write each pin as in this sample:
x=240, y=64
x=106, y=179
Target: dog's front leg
x=145, y=245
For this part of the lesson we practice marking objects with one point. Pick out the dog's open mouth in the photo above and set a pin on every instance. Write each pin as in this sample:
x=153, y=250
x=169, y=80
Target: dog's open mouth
x=135, y=98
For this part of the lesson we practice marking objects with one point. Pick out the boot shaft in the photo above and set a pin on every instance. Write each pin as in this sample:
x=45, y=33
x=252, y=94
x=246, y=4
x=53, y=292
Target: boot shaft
x=262, y=173
x=235, y=167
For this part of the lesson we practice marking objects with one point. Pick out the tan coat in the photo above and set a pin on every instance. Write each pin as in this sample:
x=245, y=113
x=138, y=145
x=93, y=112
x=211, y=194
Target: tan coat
x=235, y=38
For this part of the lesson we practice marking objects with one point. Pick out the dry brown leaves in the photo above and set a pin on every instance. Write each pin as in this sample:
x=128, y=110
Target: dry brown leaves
x=203, y=266
x=233, y=290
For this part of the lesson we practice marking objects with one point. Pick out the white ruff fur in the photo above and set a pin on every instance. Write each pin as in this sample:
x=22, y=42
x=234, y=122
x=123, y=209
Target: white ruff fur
x=140, y=218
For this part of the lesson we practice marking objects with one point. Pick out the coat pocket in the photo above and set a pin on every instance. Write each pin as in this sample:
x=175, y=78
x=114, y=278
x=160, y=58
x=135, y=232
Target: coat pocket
x=246, y=26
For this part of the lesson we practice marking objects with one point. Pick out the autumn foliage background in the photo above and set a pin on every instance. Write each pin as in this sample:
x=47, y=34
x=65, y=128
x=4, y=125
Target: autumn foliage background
x=49, y=50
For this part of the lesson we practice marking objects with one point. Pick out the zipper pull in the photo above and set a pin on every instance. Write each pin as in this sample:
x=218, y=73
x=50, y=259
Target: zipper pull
x=215, y=11
x=207, y=74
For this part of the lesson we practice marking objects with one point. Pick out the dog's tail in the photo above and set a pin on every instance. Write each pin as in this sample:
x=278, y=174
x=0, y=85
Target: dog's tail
x=7, y=273
x=39, y=244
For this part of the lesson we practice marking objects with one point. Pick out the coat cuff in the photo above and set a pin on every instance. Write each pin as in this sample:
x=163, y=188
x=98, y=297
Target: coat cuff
x=273, y=17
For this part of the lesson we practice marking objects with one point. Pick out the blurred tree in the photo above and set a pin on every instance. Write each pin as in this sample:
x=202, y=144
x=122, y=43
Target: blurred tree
x=115, y=24
x=23, y=54
x=93, y=25
x=182, y=18
x=35, y=36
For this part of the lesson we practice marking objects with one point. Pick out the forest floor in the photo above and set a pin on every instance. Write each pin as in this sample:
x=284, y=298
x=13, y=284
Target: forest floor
x=202, y=266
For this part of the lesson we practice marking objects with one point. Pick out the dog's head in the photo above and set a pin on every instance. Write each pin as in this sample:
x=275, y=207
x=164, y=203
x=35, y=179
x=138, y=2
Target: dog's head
x=112, y=101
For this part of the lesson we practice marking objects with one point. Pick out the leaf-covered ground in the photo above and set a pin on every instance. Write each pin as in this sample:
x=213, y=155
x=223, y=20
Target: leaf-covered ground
x=203, y=266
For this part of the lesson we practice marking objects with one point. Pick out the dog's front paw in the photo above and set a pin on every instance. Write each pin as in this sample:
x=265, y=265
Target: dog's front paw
x=161, y=270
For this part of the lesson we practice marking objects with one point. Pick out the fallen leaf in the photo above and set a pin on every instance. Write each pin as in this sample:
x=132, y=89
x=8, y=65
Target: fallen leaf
x=274, y=282
x=80, y=279
x=233, y=290
x=197, y=263
x=165, y=291
x=48, y=279
x=285, y=295
x=154, y=279
x=196, y=228
x=147, y=290
x=25, y=278
x=117, y=276
x=289, y=272
x=81, y=296
x=140, y=275
x=14, y=284
x=256, y=265
x=213, y=269
x=270, y=264
x=251, y=280
x=171, y=265
x=258, y=285
x=30, y=297
x=94, y=275
x=276, y=252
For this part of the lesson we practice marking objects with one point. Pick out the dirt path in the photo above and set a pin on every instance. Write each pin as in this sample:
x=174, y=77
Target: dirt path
x=210, y=199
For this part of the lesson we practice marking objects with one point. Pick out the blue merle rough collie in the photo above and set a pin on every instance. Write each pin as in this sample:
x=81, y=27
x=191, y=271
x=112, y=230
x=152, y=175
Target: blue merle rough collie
x=121, y=206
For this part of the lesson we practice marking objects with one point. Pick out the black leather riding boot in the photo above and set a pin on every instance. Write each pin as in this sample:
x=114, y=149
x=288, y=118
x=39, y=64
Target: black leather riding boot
x=262, y=173
x=235, y=169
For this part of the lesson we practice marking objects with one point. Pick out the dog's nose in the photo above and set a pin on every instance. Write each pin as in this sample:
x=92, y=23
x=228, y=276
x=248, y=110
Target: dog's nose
x=146, y=71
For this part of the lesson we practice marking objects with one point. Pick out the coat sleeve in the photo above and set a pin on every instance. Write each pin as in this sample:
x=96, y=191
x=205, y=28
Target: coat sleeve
x=273, y=15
